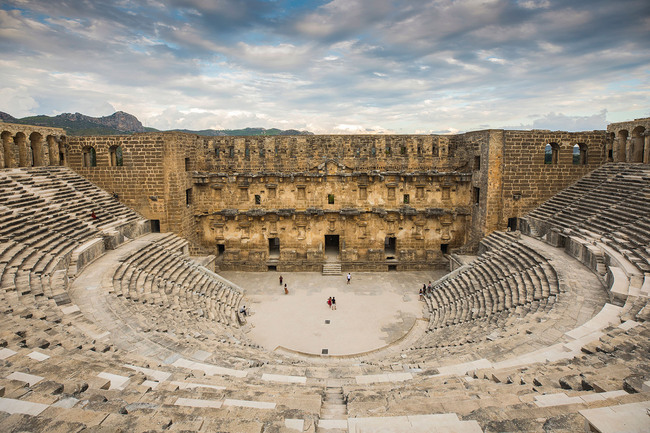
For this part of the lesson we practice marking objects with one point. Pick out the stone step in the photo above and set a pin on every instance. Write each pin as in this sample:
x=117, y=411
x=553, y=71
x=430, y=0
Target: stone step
x=332, y=269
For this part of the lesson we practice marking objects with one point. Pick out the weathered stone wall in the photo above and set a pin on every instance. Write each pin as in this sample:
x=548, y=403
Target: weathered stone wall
x=242, y=212
x=152, y=178
x=294, y=154
x=396, y=202
x=31, y=146
x=527, y=181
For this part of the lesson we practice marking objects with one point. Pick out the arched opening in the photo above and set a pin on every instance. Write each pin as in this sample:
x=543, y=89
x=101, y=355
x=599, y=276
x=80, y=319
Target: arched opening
x=636, y=144
x=7, y=150
x=36, y=148
x=63, y=152
x=89, y=157
x=551, y=153
x=23, y=153
x=580, y=154
x=116, y=157
x=620, y=154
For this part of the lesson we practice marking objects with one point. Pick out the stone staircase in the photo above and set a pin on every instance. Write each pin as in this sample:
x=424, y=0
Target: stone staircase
x=332, y=269
x=333, y=412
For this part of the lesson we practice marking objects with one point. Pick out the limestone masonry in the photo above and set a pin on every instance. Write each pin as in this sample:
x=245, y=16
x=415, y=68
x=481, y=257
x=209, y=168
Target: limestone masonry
x=368, y=202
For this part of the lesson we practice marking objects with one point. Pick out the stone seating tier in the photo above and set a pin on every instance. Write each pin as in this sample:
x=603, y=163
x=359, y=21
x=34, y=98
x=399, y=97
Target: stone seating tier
x=159, y=274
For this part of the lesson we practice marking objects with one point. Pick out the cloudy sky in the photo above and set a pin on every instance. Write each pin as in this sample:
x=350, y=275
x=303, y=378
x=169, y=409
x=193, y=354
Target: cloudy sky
x=340, y=66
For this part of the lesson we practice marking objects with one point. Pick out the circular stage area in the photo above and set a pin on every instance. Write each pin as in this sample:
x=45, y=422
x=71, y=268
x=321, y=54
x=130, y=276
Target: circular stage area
x=373, y=311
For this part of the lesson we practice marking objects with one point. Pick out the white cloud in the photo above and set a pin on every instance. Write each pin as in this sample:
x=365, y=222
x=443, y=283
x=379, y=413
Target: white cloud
x=17, y=102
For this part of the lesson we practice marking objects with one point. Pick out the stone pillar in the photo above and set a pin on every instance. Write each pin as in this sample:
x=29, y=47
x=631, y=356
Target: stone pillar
x=646, y=148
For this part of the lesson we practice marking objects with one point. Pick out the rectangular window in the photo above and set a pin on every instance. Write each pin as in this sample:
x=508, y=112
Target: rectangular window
x=243, y=194
x=301, y=193
x=188, y=196
x=419, y=193
x=258, y=199
x=231, y=151
x=477, y=195
x=407, y=199
x=330, y=198
x=391, y=193
x=187, y=164
x=477, y=162
x=363, y=193
x=271, y=192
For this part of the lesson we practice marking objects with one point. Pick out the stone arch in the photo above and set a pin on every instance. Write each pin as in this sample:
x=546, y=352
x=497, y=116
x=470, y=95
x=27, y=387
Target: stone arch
x=551, y=153
x=36, y=149
x=89, y=156
x=579, y=154
x=637, y=145
x=8, y=159
x=116, y=156
x=621, y=144
x=24, y=157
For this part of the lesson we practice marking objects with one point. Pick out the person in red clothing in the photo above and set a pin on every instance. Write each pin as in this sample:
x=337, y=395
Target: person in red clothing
x=329, y=302
x=92, y=215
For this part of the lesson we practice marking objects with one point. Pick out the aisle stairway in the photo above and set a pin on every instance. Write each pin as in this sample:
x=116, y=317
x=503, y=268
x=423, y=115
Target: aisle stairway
x=333, y=413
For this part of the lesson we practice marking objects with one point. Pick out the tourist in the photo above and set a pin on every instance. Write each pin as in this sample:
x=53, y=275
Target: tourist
x=242, y=310
x=422, y=293
x=280, y=279
x=349, y=277
x=329, y=302
x=430, y=287
x=333, y=303
x=286, y=291
x=92, y=215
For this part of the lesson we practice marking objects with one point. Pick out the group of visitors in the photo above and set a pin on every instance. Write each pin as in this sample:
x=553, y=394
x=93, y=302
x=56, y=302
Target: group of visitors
x=331, y=302
x=426, y=290
x=286, y=290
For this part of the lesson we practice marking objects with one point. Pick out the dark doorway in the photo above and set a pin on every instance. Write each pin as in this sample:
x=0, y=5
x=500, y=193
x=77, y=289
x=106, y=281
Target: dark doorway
x=155, y=226
x=389, y=247
x=444, y=248
x=274, y=248
x=272, y=268
x=512, y=224
x=332, y=246
x=221, y=248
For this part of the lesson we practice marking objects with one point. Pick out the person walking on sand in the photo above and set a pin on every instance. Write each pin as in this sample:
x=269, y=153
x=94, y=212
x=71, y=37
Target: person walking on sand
x=349, y=277
x=286, y=291
x=329, y=302
x=280, y=279
x=333, y=303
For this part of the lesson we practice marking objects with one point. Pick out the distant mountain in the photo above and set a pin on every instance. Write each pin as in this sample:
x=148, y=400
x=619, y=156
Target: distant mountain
x=245, y=131
x=120, y=123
